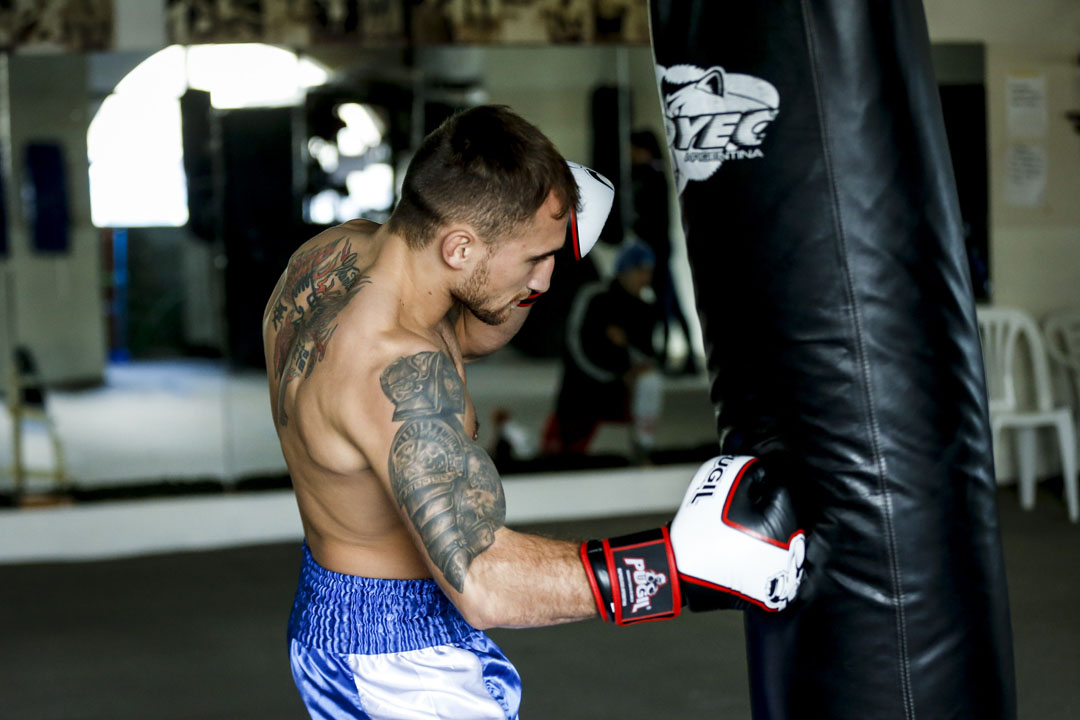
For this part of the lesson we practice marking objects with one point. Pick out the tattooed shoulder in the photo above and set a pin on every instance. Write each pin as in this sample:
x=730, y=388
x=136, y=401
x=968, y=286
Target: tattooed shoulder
x=318, y=285
x=446, y=483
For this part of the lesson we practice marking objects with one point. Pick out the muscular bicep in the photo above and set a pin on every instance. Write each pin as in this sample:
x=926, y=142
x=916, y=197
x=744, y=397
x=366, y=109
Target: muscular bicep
x=443, y=481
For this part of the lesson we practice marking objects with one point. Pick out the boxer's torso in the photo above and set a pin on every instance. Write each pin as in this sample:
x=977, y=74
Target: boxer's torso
x=329, y=310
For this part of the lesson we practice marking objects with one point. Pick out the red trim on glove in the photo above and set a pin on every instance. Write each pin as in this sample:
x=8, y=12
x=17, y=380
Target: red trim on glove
x=616, y=588
x=743, y=528
x=676, y=591
x=725, y=589
x=574, y=234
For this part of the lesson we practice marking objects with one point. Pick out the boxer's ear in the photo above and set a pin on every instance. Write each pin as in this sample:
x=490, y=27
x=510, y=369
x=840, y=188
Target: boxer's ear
x=458, y=246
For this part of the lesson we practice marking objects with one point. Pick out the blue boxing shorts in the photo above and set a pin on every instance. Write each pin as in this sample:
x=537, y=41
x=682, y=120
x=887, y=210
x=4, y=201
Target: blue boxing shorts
x=372, y=648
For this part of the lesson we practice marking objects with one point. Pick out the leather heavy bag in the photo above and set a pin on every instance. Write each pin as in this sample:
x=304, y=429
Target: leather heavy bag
x=825, y=242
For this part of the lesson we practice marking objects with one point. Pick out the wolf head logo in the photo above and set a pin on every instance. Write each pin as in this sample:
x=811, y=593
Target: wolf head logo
x=711, y=115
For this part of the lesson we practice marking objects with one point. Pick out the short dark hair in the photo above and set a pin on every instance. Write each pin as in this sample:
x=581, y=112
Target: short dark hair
x=486, y=166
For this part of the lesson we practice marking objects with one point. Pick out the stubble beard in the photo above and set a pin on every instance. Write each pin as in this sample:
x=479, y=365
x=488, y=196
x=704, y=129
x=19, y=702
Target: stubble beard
x=473, y=296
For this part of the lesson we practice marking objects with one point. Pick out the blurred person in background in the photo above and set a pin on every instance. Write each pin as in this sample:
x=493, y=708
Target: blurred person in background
x=610, y=368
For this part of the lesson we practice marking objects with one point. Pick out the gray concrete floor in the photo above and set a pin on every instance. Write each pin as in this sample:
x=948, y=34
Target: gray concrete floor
x=201, y=635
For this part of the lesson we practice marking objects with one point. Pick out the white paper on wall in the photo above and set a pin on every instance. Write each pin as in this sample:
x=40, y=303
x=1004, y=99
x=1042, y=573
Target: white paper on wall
x=1025, y=105
x=1025, y=174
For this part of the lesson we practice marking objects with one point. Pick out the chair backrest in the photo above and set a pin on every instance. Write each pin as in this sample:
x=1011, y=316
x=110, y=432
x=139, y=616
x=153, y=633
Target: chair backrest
x=1062, y=329
x=1063, y=337
x=1004, y=331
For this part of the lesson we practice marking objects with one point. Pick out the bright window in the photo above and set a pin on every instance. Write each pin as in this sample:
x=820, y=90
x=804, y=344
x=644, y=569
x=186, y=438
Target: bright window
x=357, y=161
x=134, y=141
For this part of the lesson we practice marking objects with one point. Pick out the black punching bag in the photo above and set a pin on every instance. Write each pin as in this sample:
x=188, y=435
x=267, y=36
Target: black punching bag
x=825, y=242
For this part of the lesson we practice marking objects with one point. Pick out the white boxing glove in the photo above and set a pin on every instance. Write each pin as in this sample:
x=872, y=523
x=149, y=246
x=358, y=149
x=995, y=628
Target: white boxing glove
x=756, y=549
x=596, y=195
x=734, y=543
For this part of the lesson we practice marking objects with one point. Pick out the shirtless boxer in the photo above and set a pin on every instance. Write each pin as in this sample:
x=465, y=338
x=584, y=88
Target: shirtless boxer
x=406, y=558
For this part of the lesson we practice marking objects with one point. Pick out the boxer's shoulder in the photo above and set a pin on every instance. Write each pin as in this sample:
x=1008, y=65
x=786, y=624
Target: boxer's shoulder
x=372, y=363
x=361, y=236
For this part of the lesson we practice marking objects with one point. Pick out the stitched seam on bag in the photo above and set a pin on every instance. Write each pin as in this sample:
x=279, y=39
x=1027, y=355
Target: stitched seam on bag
x=890, y=530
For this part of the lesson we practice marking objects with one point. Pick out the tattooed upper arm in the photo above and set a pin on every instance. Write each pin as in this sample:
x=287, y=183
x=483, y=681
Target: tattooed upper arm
x=446, y=483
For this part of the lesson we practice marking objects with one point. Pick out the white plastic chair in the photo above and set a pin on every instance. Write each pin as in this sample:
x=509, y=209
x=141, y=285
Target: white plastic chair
x=1062, y=329
x=1005, y=331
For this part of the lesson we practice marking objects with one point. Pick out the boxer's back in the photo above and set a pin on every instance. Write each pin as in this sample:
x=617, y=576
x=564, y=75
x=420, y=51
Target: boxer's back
x=324, y=303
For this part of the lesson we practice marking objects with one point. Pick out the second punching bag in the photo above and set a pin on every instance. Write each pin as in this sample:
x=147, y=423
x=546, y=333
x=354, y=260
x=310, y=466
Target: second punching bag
x=825, y=242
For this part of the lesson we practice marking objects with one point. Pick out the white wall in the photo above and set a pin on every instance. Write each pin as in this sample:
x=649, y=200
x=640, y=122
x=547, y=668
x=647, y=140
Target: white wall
x=1034, y=251
x=54, y=302
x=1010, y=22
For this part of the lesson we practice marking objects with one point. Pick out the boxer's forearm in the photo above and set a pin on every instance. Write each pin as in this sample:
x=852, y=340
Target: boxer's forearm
x=527, y=581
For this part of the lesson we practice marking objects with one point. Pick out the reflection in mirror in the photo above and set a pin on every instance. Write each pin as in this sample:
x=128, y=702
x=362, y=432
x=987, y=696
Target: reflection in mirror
x=207, y=165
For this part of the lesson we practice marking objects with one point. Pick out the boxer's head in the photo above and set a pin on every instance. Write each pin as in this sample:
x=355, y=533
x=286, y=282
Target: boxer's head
x=486, y=168
x=495, y=195
x=498, y=276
